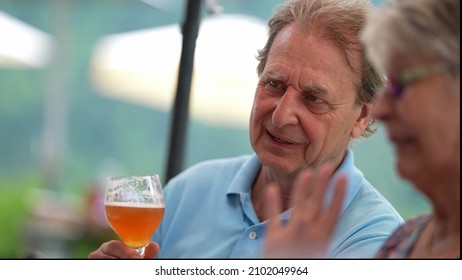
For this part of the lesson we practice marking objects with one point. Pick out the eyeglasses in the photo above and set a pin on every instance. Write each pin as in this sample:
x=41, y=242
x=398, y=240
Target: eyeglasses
x=395, y=86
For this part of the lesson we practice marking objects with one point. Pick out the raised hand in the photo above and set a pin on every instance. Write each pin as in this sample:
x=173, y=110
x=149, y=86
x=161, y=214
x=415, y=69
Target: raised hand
x=309, y=229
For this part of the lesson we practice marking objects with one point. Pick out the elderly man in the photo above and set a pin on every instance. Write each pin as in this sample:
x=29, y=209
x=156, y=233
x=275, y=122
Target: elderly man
x=314, y=95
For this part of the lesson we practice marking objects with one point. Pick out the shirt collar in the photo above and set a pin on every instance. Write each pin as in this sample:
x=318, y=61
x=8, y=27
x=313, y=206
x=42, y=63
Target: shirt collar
x=242, y=181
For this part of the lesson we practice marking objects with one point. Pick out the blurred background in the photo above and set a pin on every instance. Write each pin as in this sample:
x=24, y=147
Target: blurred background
x=86, y=90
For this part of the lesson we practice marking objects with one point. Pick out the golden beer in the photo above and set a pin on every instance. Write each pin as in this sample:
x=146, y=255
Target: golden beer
x=134, y=223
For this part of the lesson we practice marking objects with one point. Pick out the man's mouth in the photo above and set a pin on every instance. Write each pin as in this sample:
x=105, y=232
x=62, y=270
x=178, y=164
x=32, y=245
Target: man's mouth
x=280, y=140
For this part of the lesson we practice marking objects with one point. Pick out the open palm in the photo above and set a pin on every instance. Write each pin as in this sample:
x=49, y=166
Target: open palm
x=308, y=232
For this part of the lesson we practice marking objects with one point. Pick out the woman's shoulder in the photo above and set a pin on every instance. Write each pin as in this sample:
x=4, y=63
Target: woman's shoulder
x=401, y=242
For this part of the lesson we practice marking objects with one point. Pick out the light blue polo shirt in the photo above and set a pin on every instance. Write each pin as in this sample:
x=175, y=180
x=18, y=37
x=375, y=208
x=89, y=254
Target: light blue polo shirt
x=209, y=213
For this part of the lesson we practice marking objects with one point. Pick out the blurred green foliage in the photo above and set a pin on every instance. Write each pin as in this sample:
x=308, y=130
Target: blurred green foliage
x=15, y=207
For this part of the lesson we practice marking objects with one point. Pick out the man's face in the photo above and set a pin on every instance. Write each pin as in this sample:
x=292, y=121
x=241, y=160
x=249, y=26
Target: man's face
x=304, y=113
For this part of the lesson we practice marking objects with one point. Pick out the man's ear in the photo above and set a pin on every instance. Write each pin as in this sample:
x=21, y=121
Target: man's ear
x=362, y=120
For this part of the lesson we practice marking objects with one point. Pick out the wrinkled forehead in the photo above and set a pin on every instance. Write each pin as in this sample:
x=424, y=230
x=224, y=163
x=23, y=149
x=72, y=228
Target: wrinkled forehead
x=348, y=44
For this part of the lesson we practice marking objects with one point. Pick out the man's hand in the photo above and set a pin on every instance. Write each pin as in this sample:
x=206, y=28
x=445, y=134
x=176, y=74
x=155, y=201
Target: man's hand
x=116, y=249
x=309, y=230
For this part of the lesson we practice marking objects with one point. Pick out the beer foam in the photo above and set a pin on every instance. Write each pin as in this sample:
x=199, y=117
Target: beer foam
x=133, y=205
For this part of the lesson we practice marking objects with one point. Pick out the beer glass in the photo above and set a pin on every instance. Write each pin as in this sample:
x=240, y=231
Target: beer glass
x=134, y=207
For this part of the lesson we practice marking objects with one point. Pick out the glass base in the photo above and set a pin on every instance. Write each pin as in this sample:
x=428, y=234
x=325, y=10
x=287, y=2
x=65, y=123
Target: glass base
x=141, y=250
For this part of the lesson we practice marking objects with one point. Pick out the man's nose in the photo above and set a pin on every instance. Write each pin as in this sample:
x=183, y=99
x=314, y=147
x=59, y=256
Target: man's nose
x=286, y=111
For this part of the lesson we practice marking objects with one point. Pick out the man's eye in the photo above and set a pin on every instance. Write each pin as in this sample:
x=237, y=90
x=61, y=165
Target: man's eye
x=314, y=99
x=317, y=105
x=274, y=83
x=275, y=87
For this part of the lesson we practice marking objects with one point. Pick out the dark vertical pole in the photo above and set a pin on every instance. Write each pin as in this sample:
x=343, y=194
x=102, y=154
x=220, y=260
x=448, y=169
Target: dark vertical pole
x=178, y=126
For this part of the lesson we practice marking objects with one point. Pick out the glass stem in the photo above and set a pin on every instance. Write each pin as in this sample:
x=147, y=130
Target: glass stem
x=141, y=250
